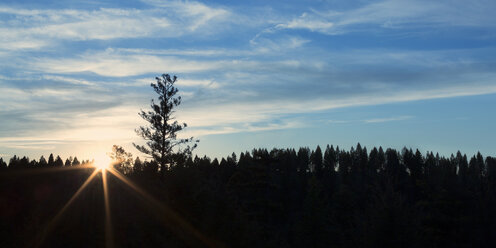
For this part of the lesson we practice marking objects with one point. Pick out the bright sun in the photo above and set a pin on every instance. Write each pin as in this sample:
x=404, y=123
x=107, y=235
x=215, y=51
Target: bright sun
x=102, y=162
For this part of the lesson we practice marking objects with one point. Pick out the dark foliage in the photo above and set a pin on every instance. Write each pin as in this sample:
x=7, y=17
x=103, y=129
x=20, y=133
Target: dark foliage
x=281, y=198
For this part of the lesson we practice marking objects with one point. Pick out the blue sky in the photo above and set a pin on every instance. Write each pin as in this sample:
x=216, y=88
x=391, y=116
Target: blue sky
x=421, y=74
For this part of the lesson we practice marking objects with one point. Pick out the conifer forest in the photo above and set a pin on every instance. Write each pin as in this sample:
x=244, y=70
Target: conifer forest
x=330, y=197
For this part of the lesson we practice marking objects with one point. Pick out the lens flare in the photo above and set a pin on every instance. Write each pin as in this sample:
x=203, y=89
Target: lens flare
x=102, y=162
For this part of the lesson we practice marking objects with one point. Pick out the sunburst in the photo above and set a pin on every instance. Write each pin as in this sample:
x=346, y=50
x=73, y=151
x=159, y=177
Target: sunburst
x=103, y=164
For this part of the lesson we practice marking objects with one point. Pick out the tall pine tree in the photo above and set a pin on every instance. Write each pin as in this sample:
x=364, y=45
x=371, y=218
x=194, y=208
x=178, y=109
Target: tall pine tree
x=161, y=133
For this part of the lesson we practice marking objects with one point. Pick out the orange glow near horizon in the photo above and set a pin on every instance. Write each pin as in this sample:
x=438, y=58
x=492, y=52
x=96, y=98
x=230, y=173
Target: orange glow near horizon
x=102, y=162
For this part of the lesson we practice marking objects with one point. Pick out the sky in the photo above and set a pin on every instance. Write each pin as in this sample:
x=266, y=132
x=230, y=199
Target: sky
x=285, y=74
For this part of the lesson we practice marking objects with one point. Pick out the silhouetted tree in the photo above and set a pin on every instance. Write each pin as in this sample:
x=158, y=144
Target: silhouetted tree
x=3, y=165
x=330, y=159
x=215, y=162
x=58, y=162
x=303, y=159
x=67, y=163
x=123, y=161
x=42, y=162
x=161, y=135
x=244, y=159
x=51, y=160
x=462, y=168
x=75, y=162
x=491, y=173
x=475, y=172
x=138, y=165
x=23, y=162
x=231, y=160
x=316, y=160
x=14, y=162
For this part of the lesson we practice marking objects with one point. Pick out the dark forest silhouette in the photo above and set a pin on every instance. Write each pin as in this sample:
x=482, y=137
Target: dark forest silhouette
x=278, y=198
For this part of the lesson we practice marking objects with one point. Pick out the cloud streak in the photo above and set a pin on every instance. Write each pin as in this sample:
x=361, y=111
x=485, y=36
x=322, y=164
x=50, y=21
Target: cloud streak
x=117, y=65
x=389, y=119
x=394, y=14
x=38, y=28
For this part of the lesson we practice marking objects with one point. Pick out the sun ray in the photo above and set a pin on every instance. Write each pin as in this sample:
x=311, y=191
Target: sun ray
x=109, y=239
x=166, y=213
x=55, y=219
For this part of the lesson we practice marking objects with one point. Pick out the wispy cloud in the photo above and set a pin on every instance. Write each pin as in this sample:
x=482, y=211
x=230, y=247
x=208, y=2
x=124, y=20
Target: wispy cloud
x=394, y=14
x=195, y=13
x=69, y=80
x=388, y=119
x=306, y=21
x=37, y=28
x=109, y=63
x=282, y=45
x=42, y=147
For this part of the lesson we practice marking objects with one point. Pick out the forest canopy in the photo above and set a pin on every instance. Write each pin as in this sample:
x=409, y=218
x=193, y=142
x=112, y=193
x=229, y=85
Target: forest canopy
x=303, y=197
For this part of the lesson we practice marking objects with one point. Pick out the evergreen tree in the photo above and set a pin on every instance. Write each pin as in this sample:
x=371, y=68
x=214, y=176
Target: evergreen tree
x=244, y=159
x=215, y=163
x=491, y=173
x=32, y=164
x=360, y=158
x=418, y=160
x=381, y=159
x=67, y=163
x=14, y=162
x=475, y=171
x=223, y=162
x=303, y=159
x=330, y=159
x=161, y=135
x=231, y=160
x=51, y=160
x=58, y=162
x=3, y=165
x=462, y=168
x=138, y=165
x=42, y=162
x=23, y=162
x=75, y=162
x=316, y=160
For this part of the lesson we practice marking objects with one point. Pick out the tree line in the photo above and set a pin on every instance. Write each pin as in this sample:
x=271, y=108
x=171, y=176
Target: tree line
x=24, y=163
x=327, y=197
